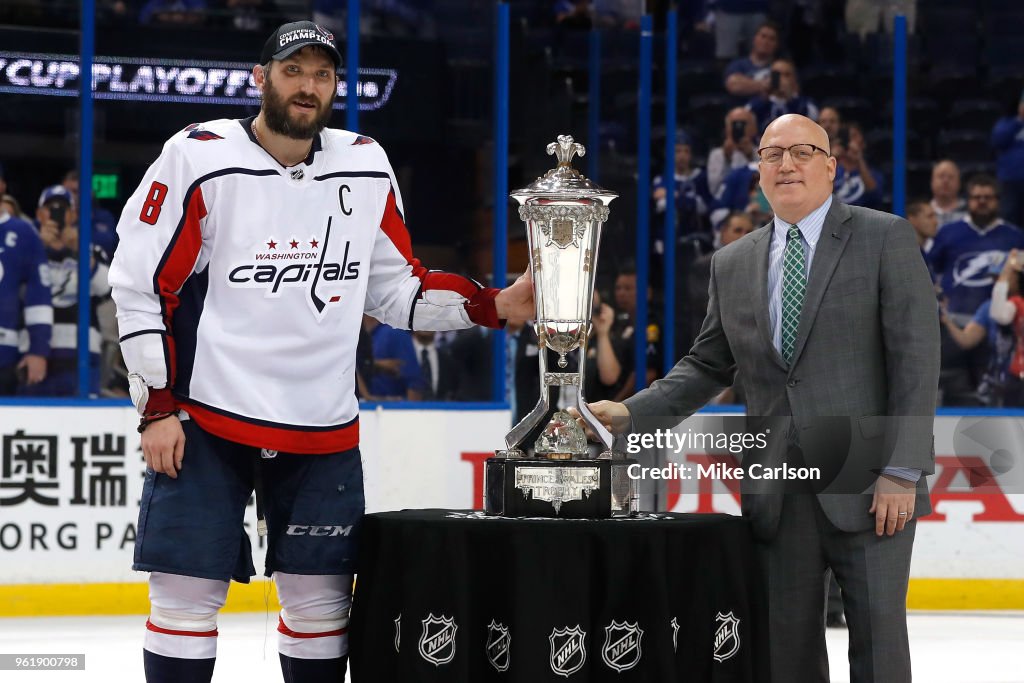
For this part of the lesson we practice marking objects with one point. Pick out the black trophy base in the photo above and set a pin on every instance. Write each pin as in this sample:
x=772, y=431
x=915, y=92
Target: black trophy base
x=568, y=489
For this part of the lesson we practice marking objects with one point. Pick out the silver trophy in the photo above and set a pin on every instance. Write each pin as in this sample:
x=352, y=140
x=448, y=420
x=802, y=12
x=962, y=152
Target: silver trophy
x=564, y=213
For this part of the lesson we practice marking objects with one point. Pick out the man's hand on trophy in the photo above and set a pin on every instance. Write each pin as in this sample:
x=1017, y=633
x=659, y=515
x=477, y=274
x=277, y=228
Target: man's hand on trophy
x=614, y=416
x=515, y=302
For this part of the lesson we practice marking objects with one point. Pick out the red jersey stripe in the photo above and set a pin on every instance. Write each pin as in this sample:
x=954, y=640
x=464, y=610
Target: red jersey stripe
x=170, y=632
x=288, y=440
x=394, y=227
x=177, y=266
x=295, y=634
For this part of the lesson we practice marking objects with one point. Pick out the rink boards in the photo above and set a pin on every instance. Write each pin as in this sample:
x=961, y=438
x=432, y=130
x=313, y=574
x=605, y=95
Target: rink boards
x=71, y=479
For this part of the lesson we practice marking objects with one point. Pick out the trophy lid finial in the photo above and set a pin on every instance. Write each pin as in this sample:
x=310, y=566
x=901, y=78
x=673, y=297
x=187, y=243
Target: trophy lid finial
x=563, y=182
x=564, y=149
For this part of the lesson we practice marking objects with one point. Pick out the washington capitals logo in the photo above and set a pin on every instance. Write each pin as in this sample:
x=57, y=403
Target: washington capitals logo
x=288, y=263
x=196, y=133
x=437, y=644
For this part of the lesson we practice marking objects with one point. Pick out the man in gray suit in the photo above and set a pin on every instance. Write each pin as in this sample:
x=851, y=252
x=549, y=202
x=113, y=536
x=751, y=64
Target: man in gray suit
x=829, y=314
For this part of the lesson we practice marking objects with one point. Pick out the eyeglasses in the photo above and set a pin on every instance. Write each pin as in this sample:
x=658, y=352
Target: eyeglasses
x=983, y=197
x=800, y=154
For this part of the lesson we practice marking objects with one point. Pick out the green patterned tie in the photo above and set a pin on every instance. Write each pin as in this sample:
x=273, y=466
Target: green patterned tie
x=794, y=287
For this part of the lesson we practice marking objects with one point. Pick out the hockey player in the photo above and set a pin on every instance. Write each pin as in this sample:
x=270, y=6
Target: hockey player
x=24, y=304
x=247, y=258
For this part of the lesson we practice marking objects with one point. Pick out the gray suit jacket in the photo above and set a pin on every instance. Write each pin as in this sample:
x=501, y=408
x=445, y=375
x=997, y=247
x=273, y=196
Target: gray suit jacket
x=860, y=393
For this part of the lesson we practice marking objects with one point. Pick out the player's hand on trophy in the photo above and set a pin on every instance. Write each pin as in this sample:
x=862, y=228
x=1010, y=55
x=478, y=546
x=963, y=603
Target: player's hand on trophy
x=614, y=416
x=163, y=446
x=515, y=302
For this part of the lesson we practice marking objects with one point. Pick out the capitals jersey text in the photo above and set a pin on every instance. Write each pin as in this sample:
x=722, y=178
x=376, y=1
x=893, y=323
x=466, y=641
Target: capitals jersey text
x=242, y=284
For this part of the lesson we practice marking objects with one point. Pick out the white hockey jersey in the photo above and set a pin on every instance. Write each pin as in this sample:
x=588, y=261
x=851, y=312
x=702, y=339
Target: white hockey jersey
x=242, y=284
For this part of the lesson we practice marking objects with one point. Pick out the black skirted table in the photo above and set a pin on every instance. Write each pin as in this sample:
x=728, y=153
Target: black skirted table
x=457, y=596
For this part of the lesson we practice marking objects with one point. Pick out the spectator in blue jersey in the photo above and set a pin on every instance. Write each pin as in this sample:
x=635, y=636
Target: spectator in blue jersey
x=856, y=183
x=949, y=206
x=739, y=191
x=1008, y=141
x=968, y=255
x=104, y=224
x=57, y=223
x=396, y=370
x=997, y=387
x=24, y=304
x=738, y=148
x=692, y=199
x=751, y=75
x=734, y=20
x=783, y=96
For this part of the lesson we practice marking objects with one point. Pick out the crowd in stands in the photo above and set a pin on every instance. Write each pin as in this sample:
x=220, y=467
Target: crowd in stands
x=765, y=58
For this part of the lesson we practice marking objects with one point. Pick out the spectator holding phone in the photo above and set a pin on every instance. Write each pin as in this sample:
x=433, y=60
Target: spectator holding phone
x=24, y=304
x=58, y=228
x=738, y=147
x=856, y=183
x=783, y=96
x=1007, y=308
x=998, y=386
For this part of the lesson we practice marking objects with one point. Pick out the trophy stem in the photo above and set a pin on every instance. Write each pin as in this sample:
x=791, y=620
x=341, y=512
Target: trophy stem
x=588, y=416
x=515, y=438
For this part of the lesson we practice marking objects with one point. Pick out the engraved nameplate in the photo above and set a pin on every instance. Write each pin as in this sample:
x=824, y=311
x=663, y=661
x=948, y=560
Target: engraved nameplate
x=558, y=485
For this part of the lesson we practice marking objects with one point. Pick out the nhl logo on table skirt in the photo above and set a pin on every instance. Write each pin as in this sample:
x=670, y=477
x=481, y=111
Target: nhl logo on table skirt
x=498, y=646
x=621, y=649
x=727, y=636
x=568, y=651
x=437, y=644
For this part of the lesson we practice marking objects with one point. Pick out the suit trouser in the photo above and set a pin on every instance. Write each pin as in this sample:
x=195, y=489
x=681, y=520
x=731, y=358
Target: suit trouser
x=873, y=573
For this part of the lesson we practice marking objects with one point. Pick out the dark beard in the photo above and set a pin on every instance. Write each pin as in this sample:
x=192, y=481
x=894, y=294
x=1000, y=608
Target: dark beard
x=277, y=119
x=983, y=219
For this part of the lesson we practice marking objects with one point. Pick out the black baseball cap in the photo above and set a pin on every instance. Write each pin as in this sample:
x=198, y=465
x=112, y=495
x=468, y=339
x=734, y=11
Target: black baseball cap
x=292, y=37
